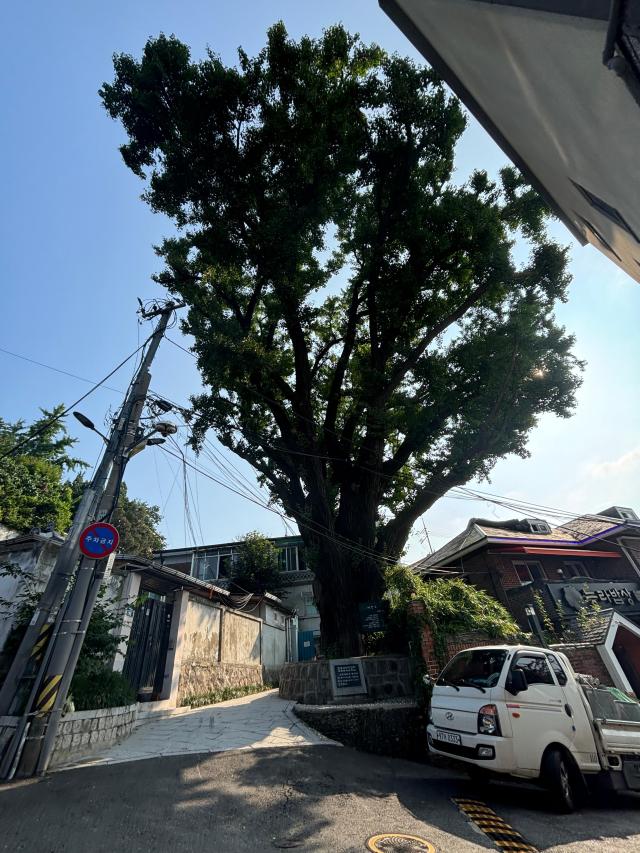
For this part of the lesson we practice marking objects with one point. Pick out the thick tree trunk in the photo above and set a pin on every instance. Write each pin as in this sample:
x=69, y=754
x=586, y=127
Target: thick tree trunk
x=346, y=576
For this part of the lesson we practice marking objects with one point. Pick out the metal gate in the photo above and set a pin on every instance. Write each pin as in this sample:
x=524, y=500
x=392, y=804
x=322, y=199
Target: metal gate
x=146, y=656
x=306, y=645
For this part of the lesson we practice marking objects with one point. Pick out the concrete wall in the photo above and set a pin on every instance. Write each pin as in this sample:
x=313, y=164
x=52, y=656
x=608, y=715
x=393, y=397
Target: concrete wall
x=218, y=648
x=35, y=563
x=240, y=639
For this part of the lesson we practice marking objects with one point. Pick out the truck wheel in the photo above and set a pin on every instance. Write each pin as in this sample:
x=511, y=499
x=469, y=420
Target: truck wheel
x=560, y=778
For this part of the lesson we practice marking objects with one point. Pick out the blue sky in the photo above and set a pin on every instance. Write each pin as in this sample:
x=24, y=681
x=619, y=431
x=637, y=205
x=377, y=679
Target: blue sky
x=76, y=250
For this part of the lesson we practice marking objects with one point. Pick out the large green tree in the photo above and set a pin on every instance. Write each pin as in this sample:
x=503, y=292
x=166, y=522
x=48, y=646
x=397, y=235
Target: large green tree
x=33, y=489
x=365, y=335
x=137, y=523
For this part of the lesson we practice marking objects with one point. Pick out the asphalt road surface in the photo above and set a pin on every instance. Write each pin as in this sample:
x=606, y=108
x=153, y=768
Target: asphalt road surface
x=309, y=798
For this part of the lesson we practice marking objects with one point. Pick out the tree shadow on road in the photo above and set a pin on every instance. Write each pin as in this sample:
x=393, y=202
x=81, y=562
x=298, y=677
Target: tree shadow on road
x=314, y=799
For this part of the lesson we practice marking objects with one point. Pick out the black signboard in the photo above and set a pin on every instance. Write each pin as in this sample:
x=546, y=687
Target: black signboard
x=622, y=596
x=347, y=675
x=372, y=616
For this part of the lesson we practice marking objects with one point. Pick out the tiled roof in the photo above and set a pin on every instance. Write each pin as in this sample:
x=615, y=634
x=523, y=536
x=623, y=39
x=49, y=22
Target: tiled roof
x=597, y=629
x=463, y=540
x=573, y=532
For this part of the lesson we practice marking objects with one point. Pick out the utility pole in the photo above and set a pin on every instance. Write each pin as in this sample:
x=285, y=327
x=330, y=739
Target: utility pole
x=33, y=742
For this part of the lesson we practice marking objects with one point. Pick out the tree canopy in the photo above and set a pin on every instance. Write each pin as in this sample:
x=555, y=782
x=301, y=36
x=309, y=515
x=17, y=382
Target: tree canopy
x=33, y=491
x=137, y=523
x=365, y=336
x=255, y=566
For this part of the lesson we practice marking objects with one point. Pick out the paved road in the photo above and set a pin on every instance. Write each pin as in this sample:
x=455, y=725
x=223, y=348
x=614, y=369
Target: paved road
x=246, y=775
x=252, y=722
x=312, y=798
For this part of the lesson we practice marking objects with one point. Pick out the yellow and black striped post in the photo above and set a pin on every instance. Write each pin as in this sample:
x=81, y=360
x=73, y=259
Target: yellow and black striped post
x=47, y=696
x=37, y=652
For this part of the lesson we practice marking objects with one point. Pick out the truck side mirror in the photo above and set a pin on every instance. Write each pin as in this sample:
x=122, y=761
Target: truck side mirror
x=517, y=682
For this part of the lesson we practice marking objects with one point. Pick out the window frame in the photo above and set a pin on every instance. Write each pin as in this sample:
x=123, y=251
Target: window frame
x=562, y=678
x=535, y=656
x=283, y=553
x=526, y=564
x=583, y=574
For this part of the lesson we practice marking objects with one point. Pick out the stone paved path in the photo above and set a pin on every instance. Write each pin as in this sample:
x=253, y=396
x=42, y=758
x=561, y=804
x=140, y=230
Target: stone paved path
x=252, y=722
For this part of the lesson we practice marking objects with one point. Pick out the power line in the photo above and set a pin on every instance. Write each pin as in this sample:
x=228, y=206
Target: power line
x=316, y=529
x=59, y=370
x=457, y=493
x=29, y=438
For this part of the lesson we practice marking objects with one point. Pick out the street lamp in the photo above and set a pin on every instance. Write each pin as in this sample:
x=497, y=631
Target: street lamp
x=89, y=424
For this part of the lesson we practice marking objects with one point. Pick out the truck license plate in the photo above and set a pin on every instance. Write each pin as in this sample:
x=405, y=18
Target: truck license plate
x=449, y=737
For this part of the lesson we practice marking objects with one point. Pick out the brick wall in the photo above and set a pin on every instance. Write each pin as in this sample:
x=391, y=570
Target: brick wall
x=453, y=644
x=586, y=659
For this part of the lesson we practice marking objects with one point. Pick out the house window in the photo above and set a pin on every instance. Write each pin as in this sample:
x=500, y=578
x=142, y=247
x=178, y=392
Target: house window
x=288, y=559
x=627, y=514
x=537, y=526
x=575, y=569
x=606, y=209
x=225, y=562
x=205, y=566
x=529, y=571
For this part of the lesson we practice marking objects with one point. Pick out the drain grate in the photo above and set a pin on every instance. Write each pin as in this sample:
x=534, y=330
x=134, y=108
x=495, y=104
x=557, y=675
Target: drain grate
x=390, y=842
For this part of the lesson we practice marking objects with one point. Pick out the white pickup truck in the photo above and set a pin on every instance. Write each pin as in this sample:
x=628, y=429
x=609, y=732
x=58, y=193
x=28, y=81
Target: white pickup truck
x=520, y=711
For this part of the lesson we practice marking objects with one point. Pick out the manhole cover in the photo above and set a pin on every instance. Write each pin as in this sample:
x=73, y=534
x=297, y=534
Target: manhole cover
x=389, y=842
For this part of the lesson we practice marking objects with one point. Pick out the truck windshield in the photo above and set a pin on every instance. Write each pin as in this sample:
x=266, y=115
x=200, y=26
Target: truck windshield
x=478, y=668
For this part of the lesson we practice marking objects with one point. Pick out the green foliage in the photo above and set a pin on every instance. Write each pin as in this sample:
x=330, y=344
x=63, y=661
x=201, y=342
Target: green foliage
x=452, y=606
x=100, y=687
x=33, y=492
x=222, y=694
x=137, y=523
x=550, y=633
x=365, y=337
x=94, y=685
x=255, y=567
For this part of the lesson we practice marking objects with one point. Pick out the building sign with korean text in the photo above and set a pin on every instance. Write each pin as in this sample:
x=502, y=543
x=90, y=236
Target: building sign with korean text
x=372, y=616
x=623, y=596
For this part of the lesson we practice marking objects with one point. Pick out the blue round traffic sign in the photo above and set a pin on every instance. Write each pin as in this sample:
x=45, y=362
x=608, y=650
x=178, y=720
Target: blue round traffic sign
x=98, y=540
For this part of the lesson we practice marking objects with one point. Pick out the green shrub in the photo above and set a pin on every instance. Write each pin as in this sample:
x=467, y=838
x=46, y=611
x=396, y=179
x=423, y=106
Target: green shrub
x=452, y=606
x=222, y=694
x=99, y=687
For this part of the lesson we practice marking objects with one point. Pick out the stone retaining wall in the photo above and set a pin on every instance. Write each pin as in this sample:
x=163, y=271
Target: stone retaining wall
x=309, y=682
x=84, y=732
x=198, y=678
x=394, y=729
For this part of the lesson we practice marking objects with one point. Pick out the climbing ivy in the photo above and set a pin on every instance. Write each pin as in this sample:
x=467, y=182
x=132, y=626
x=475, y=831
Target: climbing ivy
x=451, y=606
